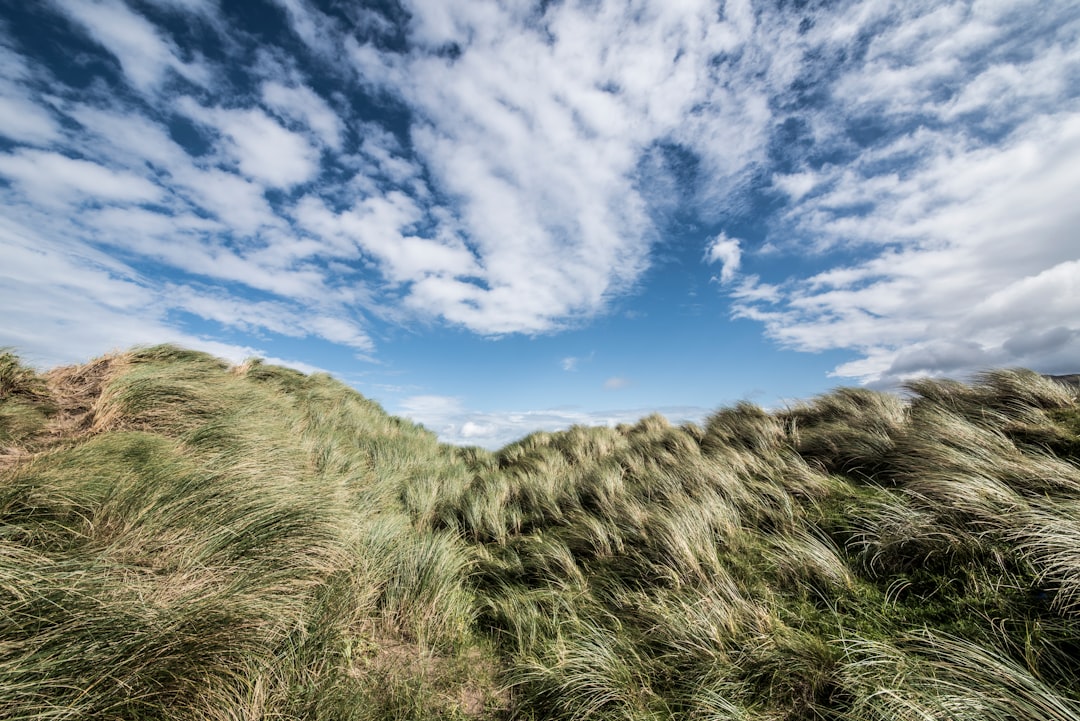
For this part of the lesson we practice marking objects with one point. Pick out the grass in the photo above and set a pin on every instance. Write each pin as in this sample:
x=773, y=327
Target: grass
x=182, y=539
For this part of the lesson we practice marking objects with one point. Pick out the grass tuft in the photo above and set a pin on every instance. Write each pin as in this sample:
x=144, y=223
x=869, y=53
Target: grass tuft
x=181, y=539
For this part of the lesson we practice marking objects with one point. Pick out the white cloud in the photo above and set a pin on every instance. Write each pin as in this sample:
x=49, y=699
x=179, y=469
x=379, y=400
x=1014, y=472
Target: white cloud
x=206, y=7
x=337, y=329
x=975, y=253
x=957, y=199
x=571, y=363
x=25, y=121
x=478, y=431
x=616, y=383
x=453, y=422
x=194, y=245
x=752, y=290
x=51, y=178
x=929, y=170
x=149, y=224
x=384, y=152
x=796, y=185
x=263, y=149
x=379, y=227
x=726, y=251
x=536, y=131
x=301, y=104
x=14, y=67
x=144, y=54
x=129, y=139
x=66, y=304
x=316, y=29
x=236, y=201
x=231, y=310
x=72, y=300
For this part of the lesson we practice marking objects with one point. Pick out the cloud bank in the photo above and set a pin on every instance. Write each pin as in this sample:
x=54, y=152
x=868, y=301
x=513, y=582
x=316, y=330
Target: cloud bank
x=455, y=423
x=507, y=168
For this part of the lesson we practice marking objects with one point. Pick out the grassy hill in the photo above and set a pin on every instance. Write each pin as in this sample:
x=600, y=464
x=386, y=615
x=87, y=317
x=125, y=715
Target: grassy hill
x=182, y=539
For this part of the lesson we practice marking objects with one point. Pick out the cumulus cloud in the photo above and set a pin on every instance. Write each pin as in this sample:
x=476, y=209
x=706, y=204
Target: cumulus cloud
x=90, y=301
x=264, y=150
x=726, y=251
x=144, y=53
x=537, y=124
x=509, y=174
x=142, y=196
x=25, y=121
x=795, y=185
x=964, y=230
x=51, y=178
x=317, y=29
x=981, y=249
x=301, y=104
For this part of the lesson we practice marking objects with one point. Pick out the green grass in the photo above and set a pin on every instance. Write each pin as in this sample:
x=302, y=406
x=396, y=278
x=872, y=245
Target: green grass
x=182, y=539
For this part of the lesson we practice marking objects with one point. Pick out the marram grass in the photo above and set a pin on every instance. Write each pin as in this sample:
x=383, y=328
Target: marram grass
x=182, y=539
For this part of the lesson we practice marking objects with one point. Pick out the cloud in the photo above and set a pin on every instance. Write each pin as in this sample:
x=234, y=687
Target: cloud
x=514, y=207
x=264, y=150
x=134, y=141
x=795, y=185
x=315, y=28
x=751, y=291
x=949, y=243
x=616, y=383
x=571, y=363
x=537, y=126
x=90, y=301
x=187, y=221
x=237, y=202
x=726, y=251
x=301, y=104
x=380, y=227
x=206, y=7
x=144, y=54
x=25, y=121
x=50, y=178
x=453, y=422
x=128, y=138
x=232, y=310
x=509, y=169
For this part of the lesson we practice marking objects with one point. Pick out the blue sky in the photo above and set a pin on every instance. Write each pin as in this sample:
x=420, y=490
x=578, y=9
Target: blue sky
x=496, y=217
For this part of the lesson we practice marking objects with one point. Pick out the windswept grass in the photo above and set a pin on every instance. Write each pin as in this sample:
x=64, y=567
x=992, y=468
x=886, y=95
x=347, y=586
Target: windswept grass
x=182, y=539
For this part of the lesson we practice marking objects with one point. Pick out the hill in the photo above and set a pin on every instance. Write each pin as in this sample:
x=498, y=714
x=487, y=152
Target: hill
x=183, y=539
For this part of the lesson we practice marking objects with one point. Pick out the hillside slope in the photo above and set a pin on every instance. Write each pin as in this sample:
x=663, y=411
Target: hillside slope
x=187, y=540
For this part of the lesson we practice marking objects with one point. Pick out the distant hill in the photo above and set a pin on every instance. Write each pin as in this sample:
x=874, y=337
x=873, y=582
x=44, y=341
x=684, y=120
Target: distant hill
x=185, y=539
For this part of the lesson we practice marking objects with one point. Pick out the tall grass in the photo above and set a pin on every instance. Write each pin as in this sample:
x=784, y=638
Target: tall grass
x=216, y=547
x=181, y=539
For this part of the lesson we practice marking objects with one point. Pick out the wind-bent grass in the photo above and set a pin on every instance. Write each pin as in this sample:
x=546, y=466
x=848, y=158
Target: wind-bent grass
x=941, y=677
x=181, y=539
x=216, y=546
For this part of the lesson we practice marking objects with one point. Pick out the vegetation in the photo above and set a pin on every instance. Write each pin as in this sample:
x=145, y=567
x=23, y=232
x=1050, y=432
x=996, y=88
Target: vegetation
x=182, y=539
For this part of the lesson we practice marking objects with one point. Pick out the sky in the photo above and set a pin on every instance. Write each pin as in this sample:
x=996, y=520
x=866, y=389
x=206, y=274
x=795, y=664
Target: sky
x=500, y=217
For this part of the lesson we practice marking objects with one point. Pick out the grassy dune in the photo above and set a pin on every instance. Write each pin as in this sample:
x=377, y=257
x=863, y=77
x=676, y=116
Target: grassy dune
x=182, y=539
